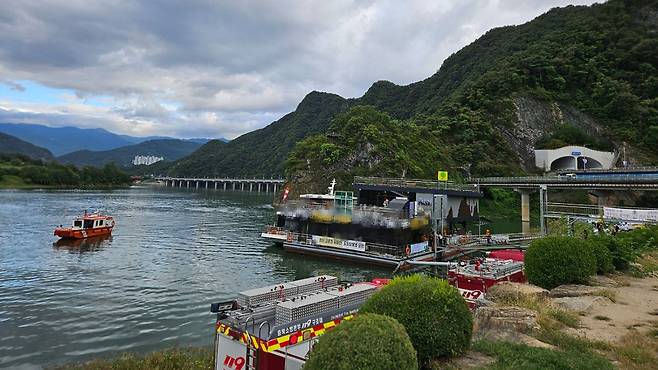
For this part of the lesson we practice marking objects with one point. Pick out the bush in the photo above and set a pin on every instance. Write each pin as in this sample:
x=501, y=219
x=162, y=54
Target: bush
x=369, y=341
x=621, y=250
x=553, y=261
x=602, y=254
x=435, y=315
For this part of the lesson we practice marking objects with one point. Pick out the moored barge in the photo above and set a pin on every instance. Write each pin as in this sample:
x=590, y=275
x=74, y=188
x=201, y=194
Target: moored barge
x=388, y=223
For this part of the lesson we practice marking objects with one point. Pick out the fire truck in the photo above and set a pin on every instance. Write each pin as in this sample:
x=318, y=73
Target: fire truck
x=276, y=327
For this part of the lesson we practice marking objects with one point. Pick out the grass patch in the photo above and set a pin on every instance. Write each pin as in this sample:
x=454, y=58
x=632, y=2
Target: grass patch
x=550, y=333
x=602, y=318
x=544, y=308
x=12, y=182
x=653, y=333
x=636, y=351
x=649, y=261
x=567, y=318
x=519, y=356
x=611, y=295
x=175, y=358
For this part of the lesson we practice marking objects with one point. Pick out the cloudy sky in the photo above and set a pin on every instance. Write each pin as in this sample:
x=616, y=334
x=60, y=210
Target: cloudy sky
x=211, y=68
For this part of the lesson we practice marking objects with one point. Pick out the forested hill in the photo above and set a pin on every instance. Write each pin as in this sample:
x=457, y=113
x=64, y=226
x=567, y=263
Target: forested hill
x=13, y=145
x=591, y=70
x=263, y=152
x=169, y=149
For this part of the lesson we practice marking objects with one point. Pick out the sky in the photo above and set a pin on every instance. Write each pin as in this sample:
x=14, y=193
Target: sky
x=212, y=68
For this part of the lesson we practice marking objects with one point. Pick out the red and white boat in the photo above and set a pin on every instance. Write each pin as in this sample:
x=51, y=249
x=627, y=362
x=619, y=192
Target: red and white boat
x=89, y=225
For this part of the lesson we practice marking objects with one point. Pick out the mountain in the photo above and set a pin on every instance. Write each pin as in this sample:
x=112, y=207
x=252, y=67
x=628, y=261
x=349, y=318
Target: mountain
x=592, y=70
x=13, y=145
x=62, y=140
x=169, y=149
x=263, y=152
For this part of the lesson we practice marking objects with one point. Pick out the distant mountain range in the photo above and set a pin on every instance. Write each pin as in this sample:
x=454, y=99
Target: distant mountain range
x=13, y=145
x=63, y=140
x=169, y=149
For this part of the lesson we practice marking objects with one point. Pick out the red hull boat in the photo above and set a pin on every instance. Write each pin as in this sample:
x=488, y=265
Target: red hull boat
x=89, y=225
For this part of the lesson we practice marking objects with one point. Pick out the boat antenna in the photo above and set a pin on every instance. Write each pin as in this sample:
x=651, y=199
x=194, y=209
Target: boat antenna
x=331, y=188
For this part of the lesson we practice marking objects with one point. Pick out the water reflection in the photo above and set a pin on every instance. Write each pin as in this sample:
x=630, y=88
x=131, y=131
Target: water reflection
x=177, y=251
x=83, y=245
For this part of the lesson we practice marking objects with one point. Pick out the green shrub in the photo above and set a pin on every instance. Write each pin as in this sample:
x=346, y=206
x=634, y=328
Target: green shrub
x=369, y=341
x=553, y=261
x=435, y=315
x=604, y=262
x=621, y=250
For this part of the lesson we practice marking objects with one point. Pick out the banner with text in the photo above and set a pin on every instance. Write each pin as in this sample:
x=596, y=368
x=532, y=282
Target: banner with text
x=339, y=243
x=419, y=247
x=630, y=214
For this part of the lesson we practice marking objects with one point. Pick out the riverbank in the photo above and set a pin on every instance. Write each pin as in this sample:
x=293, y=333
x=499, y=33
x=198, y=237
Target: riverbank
x=175, y=358
x=609, y=324
x=21, y=172
x=8, y=182
x=532, y=328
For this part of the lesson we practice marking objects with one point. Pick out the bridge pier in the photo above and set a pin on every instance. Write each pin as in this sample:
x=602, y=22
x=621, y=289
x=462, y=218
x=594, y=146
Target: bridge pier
x=251, y=185
x=525, y=211
x=601, y=197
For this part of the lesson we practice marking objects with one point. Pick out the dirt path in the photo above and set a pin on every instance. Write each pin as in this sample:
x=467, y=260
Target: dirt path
x=636, y=308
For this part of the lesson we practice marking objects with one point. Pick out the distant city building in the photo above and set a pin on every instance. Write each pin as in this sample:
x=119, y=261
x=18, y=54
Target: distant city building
x=146, y=160
x=573, y=158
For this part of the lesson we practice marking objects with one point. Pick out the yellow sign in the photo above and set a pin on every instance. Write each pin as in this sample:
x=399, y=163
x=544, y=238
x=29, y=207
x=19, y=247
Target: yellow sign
x=442, y=175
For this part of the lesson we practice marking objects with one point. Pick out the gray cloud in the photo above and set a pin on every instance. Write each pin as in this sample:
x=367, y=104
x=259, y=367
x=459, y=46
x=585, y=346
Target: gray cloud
x=221, y=68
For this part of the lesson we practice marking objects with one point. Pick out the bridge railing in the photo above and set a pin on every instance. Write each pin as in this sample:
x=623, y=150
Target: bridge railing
x=539, y=180
x=570, y=209
x=616, y=169
x=414, y=183
x=228, y=179
x=630, y=214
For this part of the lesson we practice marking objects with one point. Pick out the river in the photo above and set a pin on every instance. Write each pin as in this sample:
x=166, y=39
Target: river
x=149, y=286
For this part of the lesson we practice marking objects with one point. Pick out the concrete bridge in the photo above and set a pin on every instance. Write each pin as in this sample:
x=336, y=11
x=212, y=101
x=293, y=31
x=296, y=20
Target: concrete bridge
x=258, y=185
x=600, y=183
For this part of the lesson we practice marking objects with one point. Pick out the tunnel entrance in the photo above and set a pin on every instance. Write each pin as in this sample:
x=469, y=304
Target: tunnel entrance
x=588, y=163
x=564, y=163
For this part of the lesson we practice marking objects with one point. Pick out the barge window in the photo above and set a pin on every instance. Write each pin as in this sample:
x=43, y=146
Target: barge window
x=100, y=222
x=89, y=224
x=77, y=223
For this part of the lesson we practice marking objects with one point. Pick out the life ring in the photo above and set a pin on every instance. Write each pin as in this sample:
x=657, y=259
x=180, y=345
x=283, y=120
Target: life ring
x=289, y=237
x=407, y=250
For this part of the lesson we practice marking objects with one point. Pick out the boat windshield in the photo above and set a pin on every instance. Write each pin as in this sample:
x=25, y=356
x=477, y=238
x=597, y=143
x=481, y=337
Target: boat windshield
x=77, y=223
x=89, y=224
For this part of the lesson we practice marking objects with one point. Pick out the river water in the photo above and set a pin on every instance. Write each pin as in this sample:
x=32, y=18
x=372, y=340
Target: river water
x=149, y=286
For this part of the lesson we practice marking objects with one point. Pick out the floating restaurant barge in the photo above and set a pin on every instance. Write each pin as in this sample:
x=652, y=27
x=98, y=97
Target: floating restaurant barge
x=387, y=223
